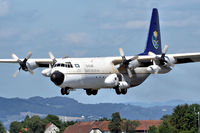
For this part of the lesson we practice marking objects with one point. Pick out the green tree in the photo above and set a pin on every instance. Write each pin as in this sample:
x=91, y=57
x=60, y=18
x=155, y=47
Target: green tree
x=153, y=129
x=129, y=126
x=187, y=132
x=35, y=125
x=184, y=118
x=25, y=122
x=166, y=117
x=193, y=109
x=65, y=125
x=53, y=119
x=2, y=128
x=165, y=127
x=114, y=125
x=15, y=127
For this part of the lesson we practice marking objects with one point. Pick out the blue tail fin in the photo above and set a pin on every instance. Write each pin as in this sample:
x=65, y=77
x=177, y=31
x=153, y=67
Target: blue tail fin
x=154, y=39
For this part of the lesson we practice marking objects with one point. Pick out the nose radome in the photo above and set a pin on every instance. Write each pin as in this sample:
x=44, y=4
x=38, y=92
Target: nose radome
x=57, y=77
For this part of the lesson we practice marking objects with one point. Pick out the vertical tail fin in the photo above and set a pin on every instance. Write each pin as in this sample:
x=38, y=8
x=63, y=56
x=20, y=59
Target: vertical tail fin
x=154, y=39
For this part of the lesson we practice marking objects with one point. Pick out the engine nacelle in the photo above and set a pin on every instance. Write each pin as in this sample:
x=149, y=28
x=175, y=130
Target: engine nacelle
x=133, y=64
x=31, y=65
x=153, y=69
x=112, y=80
x=46, y=72
x=170, y=60
x=123, y=85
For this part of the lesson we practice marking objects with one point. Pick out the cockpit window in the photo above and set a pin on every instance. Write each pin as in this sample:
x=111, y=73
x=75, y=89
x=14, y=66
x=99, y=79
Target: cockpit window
x=67, y=64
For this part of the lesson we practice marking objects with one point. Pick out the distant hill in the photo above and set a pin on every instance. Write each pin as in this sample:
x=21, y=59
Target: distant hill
x=15, y=108
x=167, y=103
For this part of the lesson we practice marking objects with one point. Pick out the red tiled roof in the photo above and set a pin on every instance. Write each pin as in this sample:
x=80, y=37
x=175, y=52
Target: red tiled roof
x=145, y=124
x=85, y=127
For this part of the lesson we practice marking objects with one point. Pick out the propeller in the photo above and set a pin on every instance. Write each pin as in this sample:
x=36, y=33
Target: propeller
x=47, y=72
x=126, y=62
x=162, y=60
x=52, y=57
x=22, y=64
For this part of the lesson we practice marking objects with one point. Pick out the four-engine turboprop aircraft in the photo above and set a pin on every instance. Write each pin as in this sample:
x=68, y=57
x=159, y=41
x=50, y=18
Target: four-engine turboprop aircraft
x=119, y=73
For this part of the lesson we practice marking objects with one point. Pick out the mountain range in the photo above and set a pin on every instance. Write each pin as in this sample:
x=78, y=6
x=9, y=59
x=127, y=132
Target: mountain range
x=13, y=109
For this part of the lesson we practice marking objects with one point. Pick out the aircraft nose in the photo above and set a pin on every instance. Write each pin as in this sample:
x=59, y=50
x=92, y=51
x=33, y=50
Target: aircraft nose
x=57, y=77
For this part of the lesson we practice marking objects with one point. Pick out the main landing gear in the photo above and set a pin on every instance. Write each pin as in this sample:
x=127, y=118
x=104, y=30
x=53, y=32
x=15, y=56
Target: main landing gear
x=65, y=91
x=91, y=92
x=120, y=91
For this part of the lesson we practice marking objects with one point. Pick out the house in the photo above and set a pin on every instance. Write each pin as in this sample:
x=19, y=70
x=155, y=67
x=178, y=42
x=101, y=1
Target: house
x=102, y=126
x=51, y=128
x=145, y=124
x=88, y=127
x=96, y=130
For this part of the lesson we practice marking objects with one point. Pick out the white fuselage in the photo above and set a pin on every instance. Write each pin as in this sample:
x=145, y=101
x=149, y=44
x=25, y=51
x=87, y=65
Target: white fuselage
x=90, y=73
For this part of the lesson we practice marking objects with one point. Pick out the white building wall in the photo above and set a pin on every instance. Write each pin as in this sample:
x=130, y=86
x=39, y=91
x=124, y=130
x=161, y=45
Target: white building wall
x=52, y=129
x=95, y=131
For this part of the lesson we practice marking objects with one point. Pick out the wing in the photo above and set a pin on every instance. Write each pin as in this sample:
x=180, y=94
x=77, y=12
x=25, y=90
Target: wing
x=179, y=58
x=186, y=58
x=39, y=62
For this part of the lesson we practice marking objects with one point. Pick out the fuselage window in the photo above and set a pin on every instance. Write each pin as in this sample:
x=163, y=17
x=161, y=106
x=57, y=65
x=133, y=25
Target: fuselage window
x=62, y=65
x=77, y=65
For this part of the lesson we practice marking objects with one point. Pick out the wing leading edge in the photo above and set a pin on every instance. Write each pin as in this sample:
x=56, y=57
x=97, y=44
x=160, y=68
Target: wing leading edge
x=39, y=62
x=180, y=58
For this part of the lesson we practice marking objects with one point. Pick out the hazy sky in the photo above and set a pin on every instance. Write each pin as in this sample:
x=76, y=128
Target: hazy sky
x=90, y=28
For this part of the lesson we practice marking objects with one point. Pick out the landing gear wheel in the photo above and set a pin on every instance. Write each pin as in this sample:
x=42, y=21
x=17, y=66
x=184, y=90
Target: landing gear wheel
x=65, y=91
x=118, y=91
x=124, y=91
x=94, y=92
x=89, y=92
x=62, y=91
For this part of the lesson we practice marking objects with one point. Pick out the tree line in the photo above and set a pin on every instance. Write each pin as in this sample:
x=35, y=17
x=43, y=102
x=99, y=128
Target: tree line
x=117, y=125
x=35, y=124
x=184, y=119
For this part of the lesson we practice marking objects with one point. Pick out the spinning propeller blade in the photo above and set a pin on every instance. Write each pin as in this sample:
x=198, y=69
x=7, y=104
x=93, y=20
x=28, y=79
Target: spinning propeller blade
x=52, y=57
x=22, y=64
x=162, y=60
x=126, y=62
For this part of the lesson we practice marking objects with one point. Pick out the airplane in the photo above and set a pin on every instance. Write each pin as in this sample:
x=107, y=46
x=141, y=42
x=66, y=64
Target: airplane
x=120, y=72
